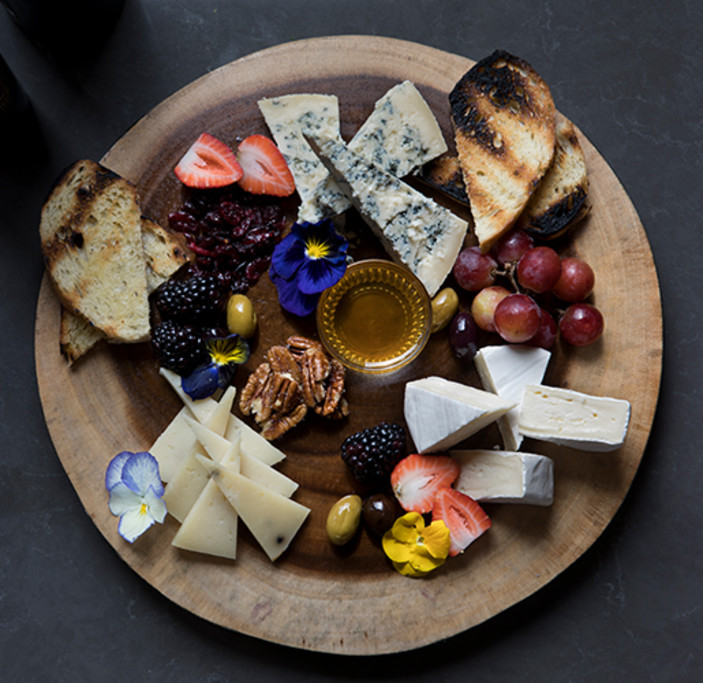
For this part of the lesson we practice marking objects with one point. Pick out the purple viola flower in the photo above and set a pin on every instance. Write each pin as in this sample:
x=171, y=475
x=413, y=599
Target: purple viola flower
x=135, y=487
x=225, y=354
x=311, y=258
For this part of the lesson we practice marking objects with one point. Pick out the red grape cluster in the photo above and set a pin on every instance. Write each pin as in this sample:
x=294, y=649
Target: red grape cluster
x=520, y=314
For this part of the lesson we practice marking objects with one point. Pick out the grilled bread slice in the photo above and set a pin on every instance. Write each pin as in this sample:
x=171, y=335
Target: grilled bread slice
x=559, y=201
x=91, y=242
x=164, y=252
x=504, y=128
x=444, y=174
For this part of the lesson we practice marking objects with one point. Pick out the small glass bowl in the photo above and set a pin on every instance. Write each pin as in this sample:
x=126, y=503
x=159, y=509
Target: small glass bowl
x=376, y=318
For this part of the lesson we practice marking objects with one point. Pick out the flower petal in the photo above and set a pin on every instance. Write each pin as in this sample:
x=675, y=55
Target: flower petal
x=395, y=550
x=155, y=504
x=316, y=276
x=113, y=474
x=142, y=471
x=134, y=523
x=292, y=299
x=228, y=350
x=288, y=255
x=202, y=382
x=437, y=539
x=123, y=499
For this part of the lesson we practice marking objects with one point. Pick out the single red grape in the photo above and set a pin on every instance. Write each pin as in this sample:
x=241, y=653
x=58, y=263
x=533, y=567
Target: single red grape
x=474, y=270
x=511, y=247
x=463, y=335
x=484, y=305
x=517, y=318
x=539, y=269
x=581, y=324
x=576, y=281
x=547, y=332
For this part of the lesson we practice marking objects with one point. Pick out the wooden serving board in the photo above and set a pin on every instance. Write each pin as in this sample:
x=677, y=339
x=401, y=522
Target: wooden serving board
x=317, y=597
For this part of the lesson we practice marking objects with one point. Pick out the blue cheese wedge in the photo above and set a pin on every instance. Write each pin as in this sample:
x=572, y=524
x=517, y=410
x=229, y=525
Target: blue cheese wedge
x=505, y=370
x=274, y=520
x=414, y=230
x=401, y=134
x=441, y=413
x=574, y=419
x=289, y=118
x=505, y=476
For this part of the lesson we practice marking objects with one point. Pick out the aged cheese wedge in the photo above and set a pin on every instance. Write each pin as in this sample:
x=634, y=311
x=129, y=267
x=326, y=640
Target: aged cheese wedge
x=571, y=418
x=288, y=118
x=217, y=447
x=211, y=524
x=505, y=370
x=401, y=134
x=201, y=409
x=253, y=443
x=505, y=476
x=441, y=413
x=186, y=485
x=173, y=445
x=274, y=520
x=416, y=232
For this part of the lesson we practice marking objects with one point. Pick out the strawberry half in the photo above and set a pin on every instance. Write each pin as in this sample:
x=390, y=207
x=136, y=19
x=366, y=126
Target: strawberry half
x=265, y=169
x=417, y=478
x=463, y=516
x=209, y=162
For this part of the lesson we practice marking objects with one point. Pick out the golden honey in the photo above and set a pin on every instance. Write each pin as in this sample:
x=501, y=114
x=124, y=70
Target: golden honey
x=376, y=318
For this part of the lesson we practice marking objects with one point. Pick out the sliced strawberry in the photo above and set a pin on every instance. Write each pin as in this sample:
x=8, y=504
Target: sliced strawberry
x=417, y=478
x=265, y=169
x=463, y=516
x=209, y=162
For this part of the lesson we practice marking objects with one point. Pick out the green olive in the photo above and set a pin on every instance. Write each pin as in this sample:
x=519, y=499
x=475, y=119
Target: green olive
x=444, y=305
x=343, y=519
x=241, y=316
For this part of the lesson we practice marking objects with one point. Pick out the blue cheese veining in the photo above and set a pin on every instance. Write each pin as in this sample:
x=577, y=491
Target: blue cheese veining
x=413, y=229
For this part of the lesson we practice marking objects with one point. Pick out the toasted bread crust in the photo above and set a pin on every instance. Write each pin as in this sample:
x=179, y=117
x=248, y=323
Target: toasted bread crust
x=503, y=117
x=560, y=200
x=444, y=174
x=91, y=241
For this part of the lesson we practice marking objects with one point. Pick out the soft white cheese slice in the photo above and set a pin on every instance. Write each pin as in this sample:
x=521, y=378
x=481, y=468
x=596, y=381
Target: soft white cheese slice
x=574, y=419
x=211, y=525
x=505, y=476
x=416, y=232
x=274, y=520
x=201, y=409
x=289, y=117
x=401, y=134
x=186, y=485
x=505, y=370
x=441, y=413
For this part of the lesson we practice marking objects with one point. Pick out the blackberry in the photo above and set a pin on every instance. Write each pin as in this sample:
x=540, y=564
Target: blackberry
x=197, y=300
x=372, y=453
x=177, y=347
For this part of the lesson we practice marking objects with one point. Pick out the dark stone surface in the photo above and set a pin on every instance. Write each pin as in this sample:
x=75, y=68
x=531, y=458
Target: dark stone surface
x=630, y=609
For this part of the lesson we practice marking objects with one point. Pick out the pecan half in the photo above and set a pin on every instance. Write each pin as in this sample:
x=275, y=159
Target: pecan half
x=278, y=424
x=282, y=361
x=334, y=405
x=315, y=369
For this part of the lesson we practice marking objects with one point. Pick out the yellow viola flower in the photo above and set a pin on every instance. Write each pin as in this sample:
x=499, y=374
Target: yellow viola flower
x=416, y=549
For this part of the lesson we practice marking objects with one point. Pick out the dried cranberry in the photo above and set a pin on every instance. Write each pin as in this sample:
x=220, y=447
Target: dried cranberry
x=257, y=268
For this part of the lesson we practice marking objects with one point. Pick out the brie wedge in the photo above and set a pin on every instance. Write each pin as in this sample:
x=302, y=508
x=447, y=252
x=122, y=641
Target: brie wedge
x=441, y=413
x=505, y=477
x=574, y=419
x=505, y=370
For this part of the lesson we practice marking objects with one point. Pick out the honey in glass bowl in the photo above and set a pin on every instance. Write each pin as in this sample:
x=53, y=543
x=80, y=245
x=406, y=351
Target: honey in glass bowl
x=376, y=318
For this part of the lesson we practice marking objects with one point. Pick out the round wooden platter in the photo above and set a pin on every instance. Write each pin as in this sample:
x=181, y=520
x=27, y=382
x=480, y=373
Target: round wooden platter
x=317, y=597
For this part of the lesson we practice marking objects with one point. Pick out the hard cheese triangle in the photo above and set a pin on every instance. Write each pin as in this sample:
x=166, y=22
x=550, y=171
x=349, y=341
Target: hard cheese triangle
x=441, y=413
x=210, y=526
x=272, y=519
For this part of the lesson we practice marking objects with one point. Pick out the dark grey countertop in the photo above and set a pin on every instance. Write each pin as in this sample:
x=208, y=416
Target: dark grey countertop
x=630, y=609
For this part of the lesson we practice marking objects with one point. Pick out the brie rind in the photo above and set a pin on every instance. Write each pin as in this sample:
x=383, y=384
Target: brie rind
x=505, y=370
x=574, y=419
x=441, y=413
x=505, y=476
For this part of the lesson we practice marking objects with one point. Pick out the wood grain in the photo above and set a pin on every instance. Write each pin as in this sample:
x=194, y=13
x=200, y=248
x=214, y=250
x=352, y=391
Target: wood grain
x=317, y=597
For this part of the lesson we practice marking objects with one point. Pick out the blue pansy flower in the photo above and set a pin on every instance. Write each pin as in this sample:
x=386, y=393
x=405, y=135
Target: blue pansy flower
x=225, y=354
x=311, y=258
x=135, y=487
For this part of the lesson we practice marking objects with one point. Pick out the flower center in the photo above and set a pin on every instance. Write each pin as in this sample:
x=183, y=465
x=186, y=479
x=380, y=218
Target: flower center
x=317, y=249
x=143, y=509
